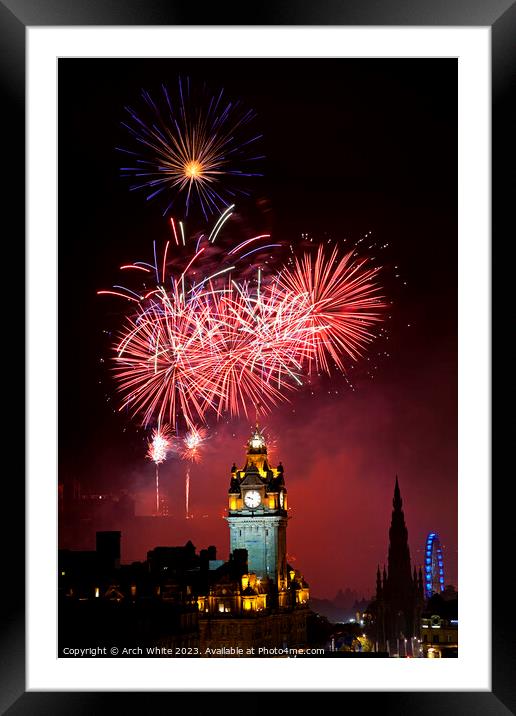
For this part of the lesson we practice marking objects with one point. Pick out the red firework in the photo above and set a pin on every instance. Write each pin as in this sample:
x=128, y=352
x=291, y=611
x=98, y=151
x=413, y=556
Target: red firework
x=160, y=445
x=252, y=351
x=340, y=301
x=192, y=443
x=158, y=449
x=163, y=360
x=226, y=347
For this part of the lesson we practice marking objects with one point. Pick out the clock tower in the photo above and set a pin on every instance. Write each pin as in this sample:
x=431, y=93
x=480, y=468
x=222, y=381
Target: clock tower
x=257, y=514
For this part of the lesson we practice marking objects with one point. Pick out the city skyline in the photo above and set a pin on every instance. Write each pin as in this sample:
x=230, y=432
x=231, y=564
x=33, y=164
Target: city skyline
x=207, y=526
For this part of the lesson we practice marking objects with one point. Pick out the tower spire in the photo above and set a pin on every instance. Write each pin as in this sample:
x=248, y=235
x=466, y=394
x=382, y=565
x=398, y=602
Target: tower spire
x=399, y=616
x=399, y=571
x=397, y=502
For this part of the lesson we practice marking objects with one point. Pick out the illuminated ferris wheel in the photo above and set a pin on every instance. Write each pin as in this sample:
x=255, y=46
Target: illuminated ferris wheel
x=434, y=569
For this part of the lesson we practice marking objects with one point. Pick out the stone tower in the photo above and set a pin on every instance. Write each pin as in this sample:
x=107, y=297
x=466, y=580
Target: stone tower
x=257, y=513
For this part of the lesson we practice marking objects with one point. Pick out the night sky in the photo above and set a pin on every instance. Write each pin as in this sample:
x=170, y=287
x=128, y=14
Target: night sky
x=352, y=146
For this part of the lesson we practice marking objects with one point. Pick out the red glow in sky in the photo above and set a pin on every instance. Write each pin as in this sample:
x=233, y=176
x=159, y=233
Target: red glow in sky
x=341, y=455
x=391, y=129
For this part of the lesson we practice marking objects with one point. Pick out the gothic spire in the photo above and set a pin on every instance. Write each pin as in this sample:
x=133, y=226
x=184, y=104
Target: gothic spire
x=399, y=571
x=397, y=502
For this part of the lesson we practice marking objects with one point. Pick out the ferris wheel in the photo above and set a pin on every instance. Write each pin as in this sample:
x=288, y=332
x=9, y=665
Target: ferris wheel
x=434, y=569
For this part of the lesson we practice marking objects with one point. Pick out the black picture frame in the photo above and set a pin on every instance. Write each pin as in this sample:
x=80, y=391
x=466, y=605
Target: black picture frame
x=500, y=15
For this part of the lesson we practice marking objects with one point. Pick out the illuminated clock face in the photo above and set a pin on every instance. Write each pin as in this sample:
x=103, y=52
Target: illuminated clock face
x=252, y=498
x=281, y=499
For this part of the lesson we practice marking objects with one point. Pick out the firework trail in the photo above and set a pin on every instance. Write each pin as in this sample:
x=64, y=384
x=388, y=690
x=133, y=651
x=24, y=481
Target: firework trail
x=190, y=451
x=187, y=493
x=215, y=263
x=194, y=145
x=158, y=448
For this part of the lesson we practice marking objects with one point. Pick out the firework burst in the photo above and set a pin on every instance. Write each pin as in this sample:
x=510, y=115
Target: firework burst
x=203, y=340
x=215, y=351
x=189, y=449
x=340, y=300
x=194, y=145
x=163, y=362
x=255, y=354
x=158, y=449
x=192, y=443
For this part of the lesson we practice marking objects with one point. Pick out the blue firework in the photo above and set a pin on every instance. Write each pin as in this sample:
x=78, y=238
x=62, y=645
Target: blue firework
x=192, y=148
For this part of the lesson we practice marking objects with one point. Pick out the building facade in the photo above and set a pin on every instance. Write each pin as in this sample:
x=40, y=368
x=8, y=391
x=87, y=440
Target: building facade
x=256, y=599
x=257, y=513
x=439, y=637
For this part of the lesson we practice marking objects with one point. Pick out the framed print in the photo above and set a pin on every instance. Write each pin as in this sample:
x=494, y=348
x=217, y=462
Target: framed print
x=258, y=355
